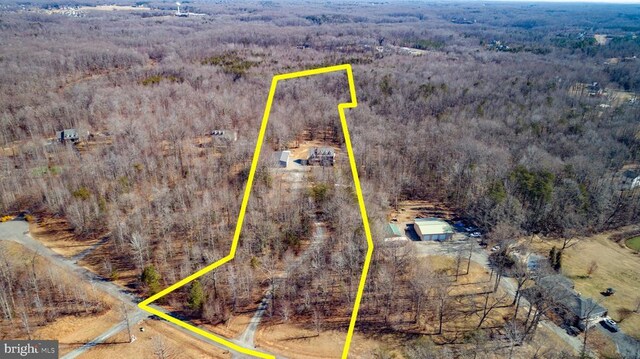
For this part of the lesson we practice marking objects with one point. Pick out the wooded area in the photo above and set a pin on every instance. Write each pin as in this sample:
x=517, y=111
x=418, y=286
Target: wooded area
x=493, y=130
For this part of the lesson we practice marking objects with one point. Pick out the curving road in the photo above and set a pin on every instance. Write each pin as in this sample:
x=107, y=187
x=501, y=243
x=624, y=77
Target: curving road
x=18, y=231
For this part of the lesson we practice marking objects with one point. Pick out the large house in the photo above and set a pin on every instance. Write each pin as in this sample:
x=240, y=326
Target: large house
x=321, y=157
x=433, y=229
x=68, y=135
x=570, y=306
x=225, y=135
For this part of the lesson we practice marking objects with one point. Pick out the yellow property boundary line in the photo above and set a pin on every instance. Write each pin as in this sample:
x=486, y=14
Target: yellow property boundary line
x=247, y=191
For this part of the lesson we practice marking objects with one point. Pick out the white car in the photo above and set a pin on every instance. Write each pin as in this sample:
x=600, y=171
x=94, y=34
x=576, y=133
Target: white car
x=609, y=323
x=475, y=235
x=495, y=248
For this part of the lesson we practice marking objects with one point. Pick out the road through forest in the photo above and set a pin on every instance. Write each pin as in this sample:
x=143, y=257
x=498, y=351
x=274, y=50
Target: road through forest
x=18, y=231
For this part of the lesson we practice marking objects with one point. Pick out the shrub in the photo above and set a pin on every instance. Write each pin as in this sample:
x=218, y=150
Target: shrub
x=82, y=193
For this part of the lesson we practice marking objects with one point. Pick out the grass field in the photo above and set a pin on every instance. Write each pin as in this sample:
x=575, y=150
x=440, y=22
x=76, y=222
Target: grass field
x=634, y=243
x=618, y=267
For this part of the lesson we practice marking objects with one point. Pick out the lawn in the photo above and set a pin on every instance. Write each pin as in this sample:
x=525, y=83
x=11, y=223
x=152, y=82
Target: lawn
x=618, y=267
x=634, y=243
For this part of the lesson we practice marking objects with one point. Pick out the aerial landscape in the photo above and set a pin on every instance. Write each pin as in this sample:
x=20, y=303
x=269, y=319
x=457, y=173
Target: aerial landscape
x=319, y=179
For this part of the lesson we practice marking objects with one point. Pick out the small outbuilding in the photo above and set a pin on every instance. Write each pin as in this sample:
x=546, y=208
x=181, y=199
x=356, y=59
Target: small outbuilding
x=284, y=158
x=433, y=229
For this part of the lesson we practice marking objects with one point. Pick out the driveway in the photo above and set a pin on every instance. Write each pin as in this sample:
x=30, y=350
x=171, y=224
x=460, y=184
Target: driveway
x=480, y=256
x=628, y=346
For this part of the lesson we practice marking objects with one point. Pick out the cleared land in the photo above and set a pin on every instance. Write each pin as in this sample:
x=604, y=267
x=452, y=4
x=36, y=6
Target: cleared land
x=618, y=268
x=158, y=340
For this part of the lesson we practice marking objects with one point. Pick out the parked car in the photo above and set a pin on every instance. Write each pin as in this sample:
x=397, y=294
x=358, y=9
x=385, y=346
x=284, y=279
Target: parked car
x=495, y=248
x=475, y=235
x=610, y=324
x=573, y=331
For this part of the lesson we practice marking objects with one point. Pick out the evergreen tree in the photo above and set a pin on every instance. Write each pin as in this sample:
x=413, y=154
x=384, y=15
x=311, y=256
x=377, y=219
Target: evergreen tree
x=151, y=278
x=196, y=296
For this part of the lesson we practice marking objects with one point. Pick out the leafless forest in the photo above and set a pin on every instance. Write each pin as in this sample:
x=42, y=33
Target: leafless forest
x=484, y=118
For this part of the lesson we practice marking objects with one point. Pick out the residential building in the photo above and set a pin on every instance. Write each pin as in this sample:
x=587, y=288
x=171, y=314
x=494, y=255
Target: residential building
x=321, y=157
x=68, y=135
x=569, y=305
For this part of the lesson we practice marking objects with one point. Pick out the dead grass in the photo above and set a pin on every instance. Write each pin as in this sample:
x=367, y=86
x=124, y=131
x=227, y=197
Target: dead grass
x=178, y=344
x=56, y=233
x=308, y=344
x=618, y=268
x=602, y=344
x=409, y=210
x=70, y=331
x=233, y=328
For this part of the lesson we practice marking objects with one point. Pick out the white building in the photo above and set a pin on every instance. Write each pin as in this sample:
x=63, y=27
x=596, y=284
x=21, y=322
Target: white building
x=433, y=229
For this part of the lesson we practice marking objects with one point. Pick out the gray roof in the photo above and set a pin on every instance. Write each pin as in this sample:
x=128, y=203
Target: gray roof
x=284, y=156
x=560, y=289
x=321, y=151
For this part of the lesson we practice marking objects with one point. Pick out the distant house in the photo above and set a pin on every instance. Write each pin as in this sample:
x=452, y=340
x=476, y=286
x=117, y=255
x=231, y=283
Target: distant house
x=433, y=229
x=594, y=89
x=630, y=179
x=321, y=157
x=284, y=159
x=226, y=135
x=68, y=135
x=570, y=306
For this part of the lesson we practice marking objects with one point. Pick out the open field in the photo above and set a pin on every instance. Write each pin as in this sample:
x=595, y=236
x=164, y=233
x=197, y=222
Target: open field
x=409, y=210
x=158, y=337
x=618, y=267
x=309, y=344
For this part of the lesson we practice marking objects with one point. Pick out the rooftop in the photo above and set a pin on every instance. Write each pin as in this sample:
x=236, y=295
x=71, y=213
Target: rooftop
x=391, y=229
x=433, y=226
x=284, y=156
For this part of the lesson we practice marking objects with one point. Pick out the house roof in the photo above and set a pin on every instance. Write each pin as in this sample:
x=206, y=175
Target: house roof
x=68, y=133
x=284, y=156
x=392, y=230
x=433, y=226
x=560, y=289
x=321, y=151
